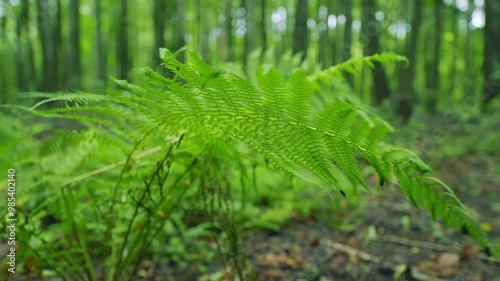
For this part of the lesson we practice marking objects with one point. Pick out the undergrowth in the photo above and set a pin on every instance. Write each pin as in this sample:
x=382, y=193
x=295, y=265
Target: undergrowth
x=161, y=167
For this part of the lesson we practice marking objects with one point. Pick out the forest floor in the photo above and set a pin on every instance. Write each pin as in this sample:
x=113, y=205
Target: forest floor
x=309, y=250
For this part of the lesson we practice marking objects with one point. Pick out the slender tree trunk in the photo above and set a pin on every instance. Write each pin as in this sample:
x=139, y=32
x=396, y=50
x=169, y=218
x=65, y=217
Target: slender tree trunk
x=49, y=55
x=454, y=51
x=323, y=34
x=204, y=32
x=3, y=21
x=100, y=51
x=181, y=27
x=123, y=44
x=406, y=89
x=468, y=52
x=371, y=30
x=347, y=30
x=249, y=35
x=74, y=68
x=433, y=69
x=227, y=39
x=27, y=49
x=263, y=29
x=61, y=67
x=333, y=10
x=159, y=10
x=347, y=44
x=22, y=77
x=491, y=63
x=300, y=34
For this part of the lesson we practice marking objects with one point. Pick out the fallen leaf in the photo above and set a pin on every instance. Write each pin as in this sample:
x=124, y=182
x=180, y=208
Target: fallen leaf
x=272, y=274
x=448, y=271
x=279, y=260
x=448, y=259
x=429, y=268
x=469, y=252
x=337, y=263
x=315, y=243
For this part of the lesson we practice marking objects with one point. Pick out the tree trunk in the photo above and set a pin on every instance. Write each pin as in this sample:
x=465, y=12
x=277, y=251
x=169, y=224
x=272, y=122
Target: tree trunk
x=49, y=55
x=249, y=35
x=347, y=30
x=122, y=44
x=433, y=69
x=204, y=32
x=100, y=51
x=159, y=10
x=454, y=51
x=371, y=30
x=263, y=29
x=333, y=10
x=491, y=63
x=22, y=77
x=323, y=34
x=406, y=91
x=74, y=69
x=300, y=34
x=61, y=67
x=181, y=27
x=3, y=21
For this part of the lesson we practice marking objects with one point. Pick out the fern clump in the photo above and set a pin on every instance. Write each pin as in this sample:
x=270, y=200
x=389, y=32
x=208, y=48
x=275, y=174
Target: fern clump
x=277, y=118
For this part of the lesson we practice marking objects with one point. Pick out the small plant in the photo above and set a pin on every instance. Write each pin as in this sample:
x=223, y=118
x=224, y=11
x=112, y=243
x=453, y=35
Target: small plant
x=183, y=145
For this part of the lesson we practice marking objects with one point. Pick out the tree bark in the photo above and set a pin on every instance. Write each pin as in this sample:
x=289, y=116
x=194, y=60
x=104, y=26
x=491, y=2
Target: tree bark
x=300, y=34
x=406, y=88
x=491, y=63
x=74, y=68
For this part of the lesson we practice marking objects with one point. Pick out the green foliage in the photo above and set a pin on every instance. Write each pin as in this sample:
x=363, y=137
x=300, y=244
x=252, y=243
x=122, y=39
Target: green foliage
x=182, y=145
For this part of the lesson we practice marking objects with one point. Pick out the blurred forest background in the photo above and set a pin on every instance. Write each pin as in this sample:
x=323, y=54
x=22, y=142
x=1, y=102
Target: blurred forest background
x=72, y=45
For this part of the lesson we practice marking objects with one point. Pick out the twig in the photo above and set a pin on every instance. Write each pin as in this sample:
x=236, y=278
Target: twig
x=109, y=167
x=419, y=244
x=351, y=251
x=427, y=245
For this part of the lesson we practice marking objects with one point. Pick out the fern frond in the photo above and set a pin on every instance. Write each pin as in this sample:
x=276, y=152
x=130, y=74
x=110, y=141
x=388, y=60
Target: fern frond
x=78, y=98
x=348, y=66
x=276, y=118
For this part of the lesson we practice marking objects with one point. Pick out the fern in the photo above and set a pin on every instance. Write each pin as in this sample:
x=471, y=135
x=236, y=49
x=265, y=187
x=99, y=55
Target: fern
x=276, y=118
